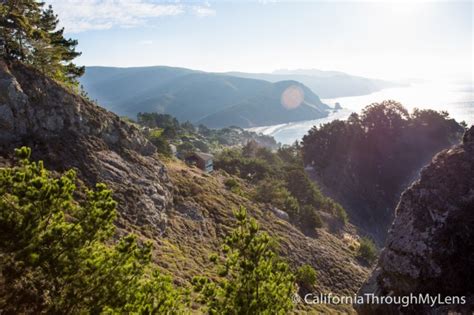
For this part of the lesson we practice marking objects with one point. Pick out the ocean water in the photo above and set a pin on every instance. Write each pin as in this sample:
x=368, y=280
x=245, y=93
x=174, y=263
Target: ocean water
x=455, y=98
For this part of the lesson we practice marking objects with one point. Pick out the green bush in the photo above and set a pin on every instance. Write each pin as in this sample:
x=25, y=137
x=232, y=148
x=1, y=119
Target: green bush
x=234, y=163
x=185, y=149
x=303, y=189
x=310, y=219
x=292, y=207
x=341, y=214
x=306, y=276
x=274, y=192
x=201, y=146
x=58, y=254
x=367, y=250
x=162, y=145
x=231, y=183
x=253, y=279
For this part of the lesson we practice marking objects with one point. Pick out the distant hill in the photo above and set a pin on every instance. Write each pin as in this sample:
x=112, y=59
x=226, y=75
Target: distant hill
x=216, y=100
x=327, y=84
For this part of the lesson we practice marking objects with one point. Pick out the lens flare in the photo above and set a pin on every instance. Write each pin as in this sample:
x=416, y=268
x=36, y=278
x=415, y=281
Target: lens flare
x=292, y=97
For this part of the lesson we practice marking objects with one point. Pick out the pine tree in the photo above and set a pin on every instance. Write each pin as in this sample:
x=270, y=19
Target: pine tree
x=254, y=279
x=17, y=24
x=30, y=34
x=57, y=254
x=63, y=50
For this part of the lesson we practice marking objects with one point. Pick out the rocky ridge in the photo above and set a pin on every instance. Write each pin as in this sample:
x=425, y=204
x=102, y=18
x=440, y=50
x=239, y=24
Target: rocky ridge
x=430, y=246
x=67, y=131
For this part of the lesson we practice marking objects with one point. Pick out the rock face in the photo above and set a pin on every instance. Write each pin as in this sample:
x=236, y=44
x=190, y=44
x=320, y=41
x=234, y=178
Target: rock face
x=66, y=131
x=430, y=246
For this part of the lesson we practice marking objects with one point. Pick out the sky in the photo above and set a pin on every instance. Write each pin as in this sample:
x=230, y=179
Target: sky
x=383, y=39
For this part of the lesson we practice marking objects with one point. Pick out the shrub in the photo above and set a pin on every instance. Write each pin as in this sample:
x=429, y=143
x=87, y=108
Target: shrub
x=292, y=207
x=341, y=214
x=274, y=192
x=234, y=163
x=306, y=191
x=367, y=250
x=231, y=183
x=156, y=137
x=306, y=276
x=185, y=149
x=310, y=219
x=201, y=146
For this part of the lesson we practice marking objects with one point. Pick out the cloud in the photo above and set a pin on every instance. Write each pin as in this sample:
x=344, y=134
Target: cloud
x=203, y=11
x=145, y=42
x=84, y=15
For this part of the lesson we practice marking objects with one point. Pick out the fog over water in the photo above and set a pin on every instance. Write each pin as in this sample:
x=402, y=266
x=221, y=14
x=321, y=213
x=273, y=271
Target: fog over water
x=455, y=97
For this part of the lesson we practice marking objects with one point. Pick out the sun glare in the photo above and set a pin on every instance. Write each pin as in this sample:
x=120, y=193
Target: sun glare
x=292, y=97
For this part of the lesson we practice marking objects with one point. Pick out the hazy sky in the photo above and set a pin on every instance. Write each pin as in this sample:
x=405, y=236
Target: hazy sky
x=401, y=39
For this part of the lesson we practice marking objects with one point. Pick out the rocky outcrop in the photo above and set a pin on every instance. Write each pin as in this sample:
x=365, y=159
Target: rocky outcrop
x=67, y=131
x=430, y=246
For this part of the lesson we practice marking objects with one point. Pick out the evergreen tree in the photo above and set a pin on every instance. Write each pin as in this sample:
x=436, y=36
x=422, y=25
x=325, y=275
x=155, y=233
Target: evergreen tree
x=255, y=280
x=18, y=26
x=63, y=50
x=30, y=34
x=57, y=255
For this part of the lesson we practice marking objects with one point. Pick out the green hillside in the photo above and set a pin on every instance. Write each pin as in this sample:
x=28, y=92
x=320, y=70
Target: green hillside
x=216, y=100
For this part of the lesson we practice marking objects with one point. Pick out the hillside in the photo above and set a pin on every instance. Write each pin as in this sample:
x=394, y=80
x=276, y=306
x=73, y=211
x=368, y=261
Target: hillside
x=181, y=210
x=203, y=214
x=430, y=247
x=327, y=84
x=216, y=100
x=67, y=132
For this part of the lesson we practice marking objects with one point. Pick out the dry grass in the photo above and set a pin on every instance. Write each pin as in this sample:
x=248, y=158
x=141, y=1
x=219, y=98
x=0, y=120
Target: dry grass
x=190, y=238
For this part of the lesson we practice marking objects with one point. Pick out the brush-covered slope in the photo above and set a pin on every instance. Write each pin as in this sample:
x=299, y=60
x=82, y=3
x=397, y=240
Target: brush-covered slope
x=430, y=247
x=202, y=216
x=183, y=211
x=216, y=100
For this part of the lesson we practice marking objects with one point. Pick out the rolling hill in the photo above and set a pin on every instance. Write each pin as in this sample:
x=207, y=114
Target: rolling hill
x=216, y=100
x=327, y=84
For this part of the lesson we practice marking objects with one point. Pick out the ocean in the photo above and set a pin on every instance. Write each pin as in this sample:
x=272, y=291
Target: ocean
x=455, y=98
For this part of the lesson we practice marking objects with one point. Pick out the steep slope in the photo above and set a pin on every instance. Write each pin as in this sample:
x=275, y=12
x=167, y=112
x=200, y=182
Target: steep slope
x=195, y=96
x=66, y=132
x=182, y=210
x=203, y=215
x=328, y=84
x=430, y=247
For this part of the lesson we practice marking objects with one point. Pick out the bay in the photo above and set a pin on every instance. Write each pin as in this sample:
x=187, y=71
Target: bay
x=456, y=98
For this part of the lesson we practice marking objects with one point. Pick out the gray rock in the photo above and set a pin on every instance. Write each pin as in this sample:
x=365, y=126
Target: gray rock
x=280, y=213
x=190, y=210
x=430, y=246
x=67, y=131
